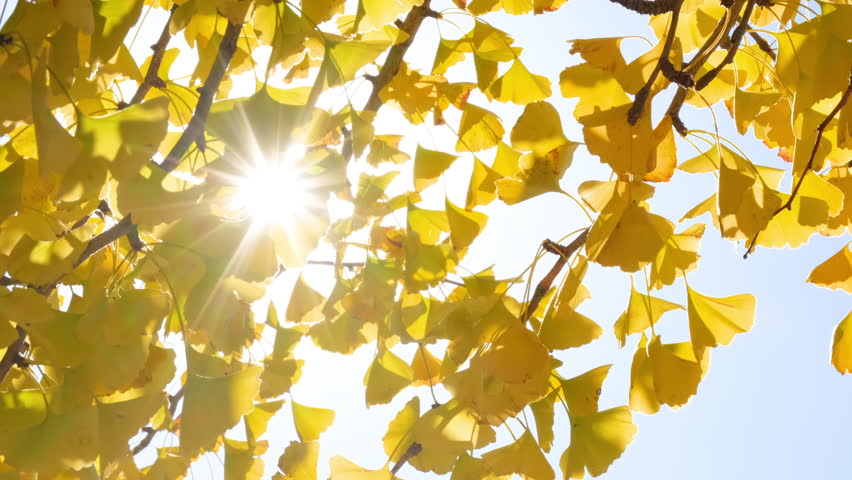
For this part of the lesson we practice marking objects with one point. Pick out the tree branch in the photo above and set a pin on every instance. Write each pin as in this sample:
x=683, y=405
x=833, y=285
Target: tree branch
x=736, y=38
x=195, y=129
x=150, y=432
x=644, y=7
x=12, y=352
x=96, y=244
x=544, y=285
x=152, y=78
x=642, y=95
x=788, y=205
x=393, y=62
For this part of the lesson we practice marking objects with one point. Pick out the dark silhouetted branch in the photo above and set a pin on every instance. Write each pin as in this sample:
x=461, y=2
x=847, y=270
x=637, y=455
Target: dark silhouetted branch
x=393, y=62
x=150, y=432
x=194, y=132
x=152, y=78
x=641, y=97
x=810, y=165
x=645, y=7
x=736, y=38
x=544, y=285
x=13, y=351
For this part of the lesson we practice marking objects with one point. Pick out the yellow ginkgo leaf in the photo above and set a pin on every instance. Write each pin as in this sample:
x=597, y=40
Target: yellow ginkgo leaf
x=597, y=440
x=57, y=149
x=480, y=129
x=299, y=461
x=513, y=384
x=677, y=257
x=714, y=321
x=627, y=235
x=385, y=377
x=399, y=435
x=21, y=409
x=343, y=59
x=676, y=371
x=445, y=432
x=215, y=404
x=643, y=395
x=523, y=457
x=481, y=190
x=543, y=413
x=472, y=468
x=342, y=469
x=583, y=391
x=63, y=440
x=465, y=225
x=429, y=165
x=319, y=11
x=242, y=459
x=426, y=368
x=311, y=421
x=279, y=375
x=519, y=86
x=537, y=174
x=305, y=302
x=841, y=348
x=633, y=151
x=746, y=203
x=642, y=312
x=836, y=272
x=563, y=327
x=538, y=129
x=597, y=89
x=603, y=53
x=258, y=420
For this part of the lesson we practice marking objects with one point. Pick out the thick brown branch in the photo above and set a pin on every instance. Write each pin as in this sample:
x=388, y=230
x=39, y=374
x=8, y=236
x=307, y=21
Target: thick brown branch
x=195, y=129
x=645, y=7
x=642, y=95
x=736, y=38
x=393, y=62
x=544, y=285
x=12, y=352
x=788, y=205
x=152, y=78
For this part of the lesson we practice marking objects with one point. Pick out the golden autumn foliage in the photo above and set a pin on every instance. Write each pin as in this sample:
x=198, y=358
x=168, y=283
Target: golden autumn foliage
x=135, y=237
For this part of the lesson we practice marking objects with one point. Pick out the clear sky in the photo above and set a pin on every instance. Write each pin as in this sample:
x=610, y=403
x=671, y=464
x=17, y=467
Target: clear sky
x=771, y=405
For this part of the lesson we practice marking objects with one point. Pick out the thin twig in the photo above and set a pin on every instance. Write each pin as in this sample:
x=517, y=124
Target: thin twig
x=642, y=95
x=736, y=38
x=195, y=129
x=788, y=205
x=150, y=432
x=12, y=352
x=762, y=44
x=393, y=62
x=544, y=285
x=152, y=78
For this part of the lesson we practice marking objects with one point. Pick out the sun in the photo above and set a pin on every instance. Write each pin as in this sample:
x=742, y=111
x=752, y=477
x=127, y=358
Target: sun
x=275, y=192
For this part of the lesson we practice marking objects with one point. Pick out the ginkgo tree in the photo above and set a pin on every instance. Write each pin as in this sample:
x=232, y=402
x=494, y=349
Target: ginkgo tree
x=130, y=200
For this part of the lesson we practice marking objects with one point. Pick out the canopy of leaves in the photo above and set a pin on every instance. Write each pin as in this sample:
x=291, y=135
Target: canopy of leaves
x=129, y=270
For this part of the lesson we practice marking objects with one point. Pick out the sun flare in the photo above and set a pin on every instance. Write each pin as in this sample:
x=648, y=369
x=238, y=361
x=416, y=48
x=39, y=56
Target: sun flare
x=275, y=192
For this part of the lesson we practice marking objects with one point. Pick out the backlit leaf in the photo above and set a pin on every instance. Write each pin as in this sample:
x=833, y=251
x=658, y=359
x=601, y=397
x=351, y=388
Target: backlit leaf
x=597, y=440
x=642, y=312
x=311, y=421
x=841, y=348
x=836, y=272
x=523, y=457
x=714, y=321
